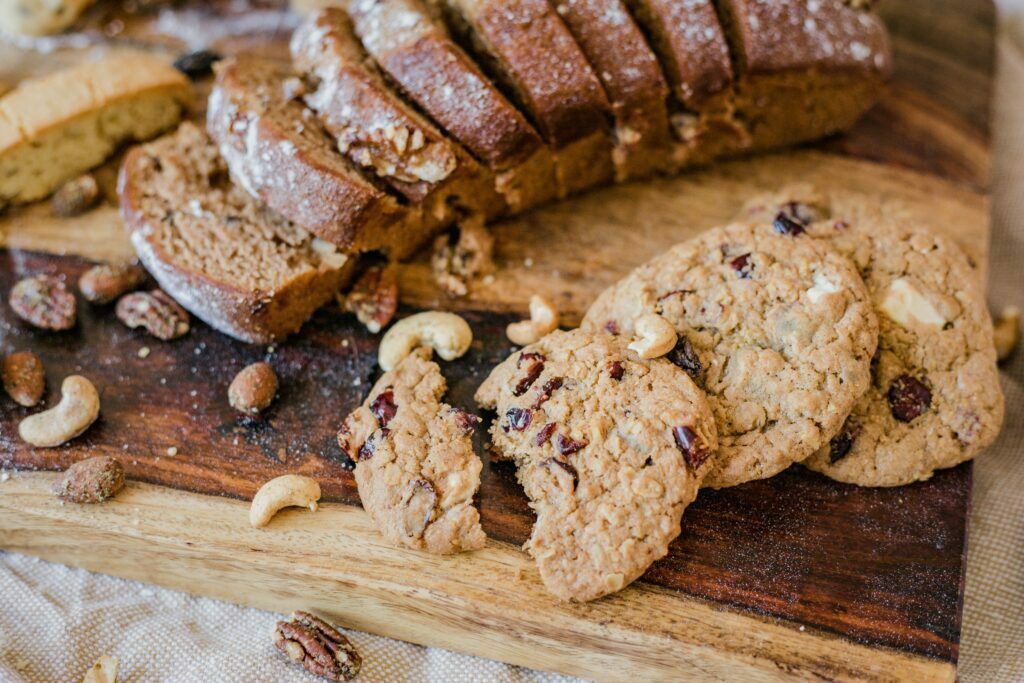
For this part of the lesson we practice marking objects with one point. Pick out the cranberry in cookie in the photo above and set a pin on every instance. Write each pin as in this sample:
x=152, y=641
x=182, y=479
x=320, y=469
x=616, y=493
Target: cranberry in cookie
x=609, y=448
x=934, y=399
x=415, y=466
x=776, y=327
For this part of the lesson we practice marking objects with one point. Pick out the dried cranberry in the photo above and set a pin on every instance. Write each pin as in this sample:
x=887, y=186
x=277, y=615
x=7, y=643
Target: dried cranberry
x=616, y=370
x=784, y=225
x=691, y=446
x=368, y=448
x=533, y=370
x=611, y=327
x=567, y=445
x=549, y=388
x=908, y=398
x=533, y=357
x=685, y=356
x=383, y=407
x=467, y=422
x=555, y=462
x=544, y=435
x=519, y=418
x=840, y=446
x=742, y=265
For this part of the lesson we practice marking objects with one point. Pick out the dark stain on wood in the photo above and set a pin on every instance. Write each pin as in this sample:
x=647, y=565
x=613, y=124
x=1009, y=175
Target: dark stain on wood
x=880, y=566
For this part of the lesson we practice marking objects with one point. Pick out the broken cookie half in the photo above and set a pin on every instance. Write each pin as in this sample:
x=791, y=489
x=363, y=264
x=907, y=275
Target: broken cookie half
x=610, y=449
x=416, y=469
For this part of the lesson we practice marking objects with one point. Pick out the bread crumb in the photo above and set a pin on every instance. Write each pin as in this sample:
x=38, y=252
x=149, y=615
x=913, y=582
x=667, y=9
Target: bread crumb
x=172, y=451
x=144, y=352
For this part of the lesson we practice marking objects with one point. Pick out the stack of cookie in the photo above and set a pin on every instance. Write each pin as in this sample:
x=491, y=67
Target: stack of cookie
x=813, y=331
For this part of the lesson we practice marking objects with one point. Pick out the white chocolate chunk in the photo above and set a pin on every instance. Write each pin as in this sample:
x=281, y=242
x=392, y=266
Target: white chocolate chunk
x=821, y=288
x=905, y=304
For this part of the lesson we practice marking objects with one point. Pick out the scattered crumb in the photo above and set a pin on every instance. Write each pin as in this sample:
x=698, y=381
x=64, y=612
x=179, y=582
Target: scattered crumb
x=4, y=476
x=528, y=262
x=802, y=628
x=172, y=451
x=271, y=349
x=488, y=279
x=356, y=382
x=144, y=352
x=344, y=343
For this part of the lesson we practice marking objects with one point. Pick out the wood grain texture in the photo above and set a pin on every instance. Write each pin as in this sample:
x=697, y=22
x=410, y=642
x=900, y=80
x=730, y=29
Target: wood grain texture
x=873, y=578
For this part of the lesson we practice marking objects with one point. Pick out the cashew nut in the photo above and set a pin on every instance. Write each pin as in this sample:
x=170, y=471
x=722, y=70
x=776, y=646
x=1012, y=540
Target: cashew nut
x=78, y=408
x=1007, y=332
x=543, y=320
x=285, y=491
x=656, y=336
x=446, y=333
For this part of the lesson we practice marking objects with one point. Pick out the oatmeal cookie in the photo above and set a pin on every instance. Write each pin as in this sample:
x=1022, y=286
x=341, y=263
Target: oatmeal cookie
x=934, y=399
x=775, y=326
x=415, y=466
x=609, y=448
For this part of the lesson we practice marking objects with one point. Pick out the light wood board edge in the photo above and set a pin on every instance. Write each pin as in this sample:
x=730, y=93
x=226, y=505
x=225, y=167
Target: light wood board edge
x=489, y=603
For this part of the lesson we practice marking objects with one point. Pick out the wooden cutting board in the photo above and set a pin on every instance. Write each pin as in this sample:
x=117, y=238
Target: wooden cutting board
x=795, y=576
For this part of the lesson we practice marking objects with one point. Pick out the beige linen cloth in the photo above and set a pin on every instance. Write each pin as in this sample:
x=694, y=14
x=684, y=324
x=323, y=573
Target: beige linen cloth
x=55, y=622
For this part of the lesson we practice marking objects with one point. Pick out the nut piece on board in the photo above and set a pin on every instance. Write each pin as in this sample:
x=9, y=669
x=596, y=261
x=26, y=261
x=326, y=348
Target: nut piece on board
x=155, y=311
x=75, y=196
x=543, y=320
x=24, y=379
x=285, y=491
x=92, y=480
x=78, y=408
x=446, y=333
x=656, y=337
x=374, y=298
x=103, y=671
x=253, y=389
x=1007, y=332
x=45, y=302
x=104, y=283
x=317, y=646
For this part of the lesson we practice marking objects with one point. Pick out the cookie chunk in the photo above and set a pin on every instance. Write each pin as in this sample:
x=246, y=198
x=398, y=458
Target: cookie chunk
x=934, y=399
x=775, y=326
x=415, y=466
x=609, y=448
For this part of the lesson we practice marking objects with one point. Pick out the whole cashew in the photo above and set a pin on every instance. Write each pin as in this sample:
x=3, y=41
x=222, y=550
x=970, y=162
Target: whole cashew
x=285, y=491
x=543, y=320
x=1007, y=332
x=656, y=336
x=446, y=333
x=78, y=408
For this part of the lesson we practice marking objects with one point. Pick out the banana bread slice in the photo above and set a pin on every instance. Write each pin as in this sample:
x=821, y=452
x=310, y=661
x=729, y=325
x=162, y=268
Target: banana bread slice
x=632, y=79
x=804, y=69
x=411, y=45
x=378, y=131
x=239, y=267
x=526, y=47
x=277, y=150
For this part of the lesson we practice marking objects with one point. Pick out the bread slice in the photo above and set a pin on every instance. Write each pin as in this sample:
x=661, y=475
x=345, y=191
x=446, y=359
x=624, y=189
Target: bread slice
x=239, y=267
x=40, y=17
x=412, y=47
x=526, y=48
x=278, y=151
x=56, y=127
x=375, y=129
x=804, y=69
x=632, y=80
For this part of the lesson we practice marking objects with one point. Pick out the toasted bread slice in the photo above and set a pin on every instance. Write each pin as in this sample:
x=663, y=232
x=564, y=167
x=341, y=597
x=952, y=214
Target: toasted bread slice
x=377, y=130
x=234, y=264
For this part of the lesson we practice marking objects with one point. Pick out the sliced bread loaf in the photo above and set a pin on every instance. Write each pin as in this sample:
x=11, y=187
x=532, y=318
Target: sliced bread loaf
x=527, y=49
x=412, y=47
x=278, y=151
x=632, y=79
x=377, y=130
x=243, y=270
x=56, y=127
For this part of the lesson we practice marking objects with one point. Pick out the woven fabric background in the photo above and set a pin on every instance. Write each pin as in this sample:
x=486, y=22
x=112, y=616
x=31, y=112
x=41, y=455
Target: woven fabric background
x=55, y=622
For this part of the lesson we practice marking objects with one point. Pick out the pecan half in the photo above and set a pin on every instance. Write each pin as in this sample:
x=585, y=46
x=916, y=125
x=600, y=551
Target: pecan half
x=155, y=312
x=102, y=284
x=319, y=647
x=374, y=298
x=44, y=301
x=23, y=378
x=75, y=197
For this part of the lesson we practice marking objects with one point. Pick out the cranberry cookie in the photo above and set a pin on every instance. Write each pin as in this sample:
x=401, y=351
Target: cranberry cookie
x=775, y=326
x=934, y=399
x=415, y=466
x=609, y=449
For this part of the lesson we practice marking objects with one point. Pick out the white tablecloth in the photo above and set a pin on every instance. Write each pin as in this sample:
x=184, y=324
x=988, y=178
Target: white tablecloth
x=55, y=622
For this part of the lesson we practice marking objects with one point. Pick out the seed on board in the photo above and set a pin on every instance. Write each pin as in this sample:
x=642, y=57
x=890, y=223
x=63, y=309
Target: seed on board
x=253, y=389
